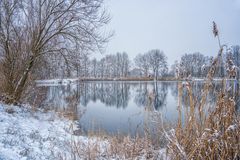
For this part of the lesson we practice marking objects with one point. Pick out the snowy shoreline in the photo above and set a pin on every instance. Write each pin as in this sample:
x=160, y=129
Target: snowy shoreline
x=34, y=134
x=27, y=134
x=67, y=81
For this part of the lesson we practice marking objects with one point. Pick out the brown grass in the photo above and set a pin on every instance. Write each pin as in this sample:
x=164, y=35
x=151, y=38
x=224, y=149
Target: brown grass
x=212, y=135
x=216, y=136
x=114, y=147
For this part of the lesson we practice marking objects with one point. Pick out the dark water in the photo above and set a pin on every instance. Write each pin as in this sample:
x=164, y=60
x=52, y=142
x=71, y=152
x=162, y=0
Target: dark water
x=118, y=107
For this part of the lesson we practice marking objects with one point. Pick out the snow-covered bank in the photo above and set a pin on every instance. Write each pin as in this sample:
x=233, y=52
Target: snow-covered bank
x=214, y=79
x=27, y=134
x=53, y=82
x=35, y=134
x=56, y=81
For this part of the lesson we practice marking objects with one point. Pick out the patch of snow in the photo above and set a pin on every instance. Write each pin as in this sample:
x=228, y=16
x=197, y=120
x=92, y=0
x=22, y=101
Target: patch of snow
x=48, y=82
x=163, y=155
x=232, y=127
x=27, y=134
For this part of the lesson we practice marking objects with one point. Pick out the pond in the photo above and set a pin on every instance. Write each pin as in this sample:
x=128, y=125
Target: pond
x=118, y=106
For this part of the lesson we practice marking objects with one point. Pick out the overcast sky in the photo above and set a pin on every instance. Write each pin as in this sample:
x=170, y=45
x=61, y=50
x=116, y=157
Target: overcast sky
x=174, y=26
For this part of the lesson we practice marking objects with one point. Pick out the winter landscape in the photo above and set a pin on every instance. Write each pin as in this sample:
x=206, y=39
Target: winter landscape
x=106, y=79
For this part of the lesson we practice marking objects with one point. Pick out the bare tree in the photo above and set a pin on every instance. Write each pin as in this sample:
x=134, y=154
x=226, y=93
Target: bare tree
x=157, y=62
x=142, y=62
x=193, y=63
x=110, y=66
x=125, y=64
x=154, y=61
x=94, y=67
x=33, y=29
x=11, y=58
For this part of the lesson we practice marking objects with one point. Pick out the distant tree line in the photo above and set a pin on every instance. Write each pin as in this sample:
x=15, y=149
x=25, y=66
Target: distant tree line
x=197, y=64
x=151, y=64
x=110, y=66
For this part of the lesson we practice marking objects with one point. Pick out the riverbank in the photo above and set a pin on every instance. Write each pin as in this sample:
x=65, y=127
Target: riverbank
x=28, y=133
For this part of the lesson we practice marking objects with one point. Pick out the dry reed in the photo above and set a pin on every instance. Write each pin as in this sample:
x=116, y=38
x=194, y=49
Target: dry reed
x=212, y=135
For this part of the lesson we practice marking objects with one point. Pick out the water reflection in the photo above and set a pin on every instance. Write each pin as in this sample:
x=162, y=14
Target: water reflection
x=151, y=95
x=119, y=106
x=111, y=94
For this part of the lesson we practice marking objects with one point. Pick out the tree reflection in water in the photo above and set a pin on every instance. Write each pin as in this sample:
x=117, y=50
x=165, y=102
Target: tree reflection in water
x=151, y=95
x=112, y=94
x=118, y=94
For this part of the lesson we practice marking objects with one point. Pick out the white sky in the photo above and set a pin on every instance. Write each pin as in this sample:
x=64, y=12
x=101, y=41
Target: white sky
x=174, y=26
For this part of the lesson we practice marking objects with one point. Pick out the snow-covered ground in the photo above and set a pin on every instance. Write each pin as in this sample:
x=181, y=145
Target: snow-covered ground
x=28, y=134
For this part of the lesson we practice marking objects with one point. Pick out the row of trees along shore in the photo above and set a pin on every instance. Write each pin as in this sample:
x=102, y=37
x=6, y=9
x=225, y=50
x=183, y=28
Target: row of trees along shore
x=151, y=64
x=147, y=65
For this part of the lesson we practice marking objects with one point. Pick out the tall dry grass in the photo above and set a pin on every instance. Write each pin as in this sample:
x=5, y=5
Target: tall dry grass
x=211, y=135
x=216, y=136
x=115, y=147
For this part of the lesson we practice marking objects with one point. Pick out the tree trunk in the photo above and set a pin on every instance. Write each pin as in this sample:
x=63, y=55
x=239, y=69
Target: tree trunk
x=22, y=81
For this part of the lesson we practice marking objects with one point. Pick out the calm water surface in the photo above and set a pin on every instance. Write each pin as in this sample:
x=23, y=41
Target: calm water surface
x=118, y=107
